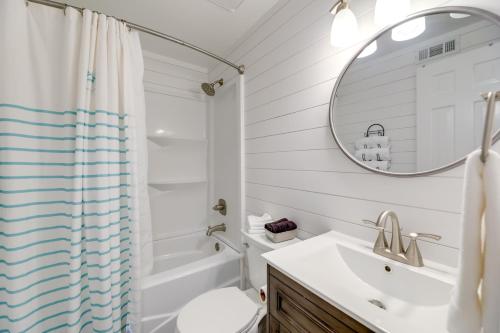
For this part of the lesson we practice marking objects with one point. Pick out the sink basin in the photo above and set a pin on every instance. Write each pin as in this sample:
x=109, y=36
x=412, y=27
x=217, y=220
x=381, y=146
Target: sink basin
x=385, y=295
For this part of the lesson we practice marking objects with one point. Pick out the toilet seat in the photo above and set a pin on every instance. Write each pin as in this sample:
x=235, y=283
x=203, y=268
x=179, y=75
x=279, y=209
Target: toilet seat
x=225, y=310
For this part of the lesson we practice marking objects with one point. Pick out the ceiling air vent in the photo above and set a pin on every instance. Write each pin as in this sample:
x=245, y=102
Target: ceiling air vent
x=437, y=50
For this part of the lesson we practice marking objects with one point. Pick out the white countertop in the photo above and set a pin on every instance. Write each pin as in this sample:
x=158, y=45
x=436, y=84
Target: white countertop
x=346, y=273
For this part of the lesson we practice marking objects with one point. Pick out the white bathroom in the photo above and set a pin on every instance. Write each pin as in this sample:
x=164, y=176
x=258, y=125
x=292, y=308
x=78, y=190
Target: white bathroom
x=250, y=166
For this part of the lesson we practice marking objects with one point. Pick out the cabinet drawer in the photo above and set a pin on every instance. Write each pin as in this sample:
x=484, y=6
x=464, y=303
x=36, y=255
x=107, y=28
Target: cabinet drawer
x=299, y=310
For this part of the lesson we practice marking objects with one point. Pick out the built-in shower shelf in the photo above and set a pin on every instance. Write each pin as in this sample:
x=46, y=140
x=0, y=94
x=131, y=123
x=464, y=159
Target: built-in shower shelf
x=164, y=141
x=172, y=184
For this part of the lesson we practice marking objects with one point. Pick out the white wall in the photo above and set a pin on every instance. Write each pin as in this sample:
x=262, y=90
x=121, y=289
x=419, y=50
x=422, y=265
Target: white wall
x=294, y=168
x=176, y=105
x=225, y=159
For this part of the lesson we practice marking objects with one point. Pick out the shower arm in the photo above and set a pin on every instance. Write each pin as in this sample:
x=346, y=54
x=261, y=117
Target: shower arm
x=131, y=25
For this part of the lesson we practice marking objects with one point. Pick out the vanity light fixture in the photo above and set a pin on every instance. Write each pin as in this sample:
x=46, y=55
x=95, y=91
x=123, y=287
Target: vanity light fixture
x=345, y=29
x=409, y=30
x=369, y=50
x=390, y=11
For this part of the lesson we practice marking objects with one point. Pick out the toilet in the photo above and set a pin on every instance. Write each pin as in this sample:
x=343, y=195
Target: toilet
x=232, y=310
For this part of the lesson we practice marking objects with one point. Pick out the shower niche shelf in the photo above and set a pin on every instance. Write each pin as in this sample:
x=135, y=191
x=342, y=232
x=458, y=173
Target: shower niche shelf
x=172, y=184
x=164, y=141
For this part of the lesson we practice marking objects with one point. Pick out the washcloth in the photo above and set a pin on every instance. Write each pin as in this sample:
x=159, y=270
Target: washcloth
x=374, y=141
x=374, y=154
x=281, y=225
x=470, y=308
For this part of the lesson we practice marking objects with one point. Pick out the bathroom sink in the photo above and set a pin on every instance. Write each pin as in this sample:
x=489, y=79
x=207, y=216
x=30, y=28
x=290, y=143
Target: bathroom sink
x=384, y=295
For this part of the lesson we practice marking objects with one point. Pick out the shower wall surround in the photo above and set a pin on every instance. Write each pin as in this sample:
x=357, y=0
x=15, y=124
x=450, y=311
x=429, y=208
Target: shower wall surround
x=176, y=116
x=293, y=166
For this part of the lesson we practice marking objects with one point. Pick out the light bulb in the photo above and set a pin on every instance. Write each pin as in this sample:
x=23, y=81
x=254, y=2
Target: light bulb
x=458, y=15
x=409, y=30
x=388, y=12
x=369, y=50
x=345, y=29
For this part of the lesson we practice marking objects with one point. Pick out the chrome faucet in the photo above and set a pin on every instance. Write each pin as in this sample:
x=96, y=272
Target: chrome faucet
x=218, y=227
x=395, y=251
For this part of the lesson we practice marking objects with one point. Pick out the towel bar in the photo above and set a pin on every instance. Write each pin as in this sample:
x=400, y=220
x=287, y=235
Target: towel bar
x=491, y=98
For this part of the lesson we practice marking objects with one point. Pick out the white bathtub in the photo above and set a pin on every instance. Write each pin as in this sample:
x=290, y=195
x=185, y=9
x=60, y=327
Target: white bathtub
x=184, y=268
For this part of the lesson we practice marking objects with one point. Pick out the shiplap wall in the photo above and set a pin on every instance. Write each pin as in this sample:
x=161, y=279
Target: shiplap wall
x=293, y=167
x=176, y=105
x=389, y=86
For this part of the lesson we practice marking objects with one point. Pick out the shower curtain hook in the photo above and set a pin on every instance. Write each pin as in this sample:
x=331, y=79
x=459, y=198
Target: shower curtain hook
x=26, y=3
x=125, y=23
x=65, y=7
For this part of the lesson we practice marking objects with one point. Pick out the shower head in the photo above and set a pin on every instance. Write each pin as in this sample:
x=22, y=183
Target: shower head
x=209, y=88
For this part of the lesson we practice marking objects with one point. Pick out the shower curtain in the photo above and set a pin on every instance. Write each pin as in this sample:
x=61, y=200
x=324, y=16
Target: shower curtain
x=74, y=211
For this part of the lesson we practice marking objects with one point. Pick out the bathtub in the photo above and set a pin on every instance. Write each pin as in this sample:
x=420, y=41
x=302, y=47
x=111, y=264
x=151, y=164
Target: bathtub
x=184, y=267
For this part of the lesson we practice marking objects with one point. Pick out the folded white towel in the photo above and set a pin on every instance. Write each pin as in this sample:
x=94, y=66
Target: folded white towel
x=259, y=220
x=374, y=141
x=379, y=165
x=471, y=308
x=374, y=154
x=256, y=223
x=253, y=231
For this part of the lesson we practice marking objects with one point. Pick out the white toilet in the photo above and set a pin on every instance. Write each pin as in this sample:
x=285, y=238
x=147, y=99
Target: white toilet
x=231, y=310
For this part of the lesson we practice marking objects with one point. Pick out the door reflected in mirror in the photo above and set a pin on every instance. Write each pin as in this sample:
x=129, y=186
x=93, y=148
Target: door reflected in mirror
x=410, y=102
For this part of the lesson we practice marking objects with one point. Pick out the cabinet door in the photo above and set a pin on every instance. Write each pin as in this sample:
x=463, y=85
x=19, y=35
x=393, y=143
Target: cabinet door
x=276, y=327
x=298, y=310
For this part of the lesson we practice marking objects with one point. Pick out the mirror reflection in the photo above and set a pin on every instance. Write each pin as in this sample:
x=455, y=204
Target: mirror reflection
x=410, y=102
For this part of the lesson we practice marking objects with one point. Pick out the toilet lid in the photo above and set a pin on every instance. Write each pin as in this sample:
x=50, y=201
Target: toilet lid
x=225, y=310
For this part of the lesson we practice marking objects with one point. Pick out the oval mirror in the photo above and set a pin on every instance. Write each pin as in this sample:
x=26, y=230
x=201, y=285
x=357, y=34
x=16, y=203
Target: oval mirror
x=409, y=102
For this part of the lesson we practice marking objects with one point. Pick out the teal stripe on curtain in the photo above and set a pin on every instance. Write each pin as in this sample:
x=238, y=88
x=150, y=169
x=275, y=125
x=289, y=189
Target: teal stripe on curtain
x=61, y=113
x=71, y=125
x=61, y=138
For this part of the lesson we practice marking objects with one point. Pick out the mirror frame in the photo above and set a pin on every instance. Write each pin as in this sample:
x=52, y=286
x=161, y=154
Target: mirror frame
x=438, y=10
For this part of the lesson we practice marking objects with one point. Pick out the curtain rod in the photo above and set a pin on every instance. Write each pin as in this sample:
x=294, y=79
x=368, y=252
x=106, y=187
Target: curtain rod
x=131, y=25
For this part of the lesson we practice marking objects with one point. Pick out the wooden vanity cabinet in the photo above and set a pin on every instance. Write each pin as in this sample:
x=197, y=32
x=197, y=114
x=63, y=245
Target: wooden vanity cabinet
x=294, y=309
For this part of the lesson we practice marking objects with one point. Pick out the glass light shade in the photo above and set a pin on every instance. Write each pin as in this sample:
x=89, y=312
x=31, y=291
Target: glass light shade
x=458, y=15
x=345, y=29
x=409, y=30
x=369, y=50
x=390, y=11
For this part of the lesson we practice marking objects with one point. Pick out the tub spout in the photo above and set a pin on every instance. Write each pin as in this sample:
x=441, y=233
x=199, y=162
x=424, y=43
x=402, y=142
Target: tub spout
x=218, y=227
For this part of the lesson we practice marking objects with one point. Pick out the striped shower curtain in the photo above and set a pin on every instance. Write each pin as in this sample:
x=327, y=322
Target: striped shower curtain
x=71, y=193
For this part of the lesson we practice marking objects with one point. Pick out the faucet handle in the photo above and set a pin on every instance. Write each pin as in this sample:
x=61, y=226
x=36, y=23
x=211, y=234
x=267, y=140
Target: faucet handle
x=381, y=243
x=413, y=252
x=417, y=235
x=372, y=222
x=376, y=224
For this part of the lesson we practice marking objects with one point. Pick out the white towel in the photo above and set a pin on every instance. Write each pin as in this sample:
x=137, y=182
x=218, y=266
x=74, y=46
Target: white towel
x=374, y=141
x=254, y=231
x=374, y=154
x=379, y=165
x=256, y=223
x=471, y=308
x=258, y=220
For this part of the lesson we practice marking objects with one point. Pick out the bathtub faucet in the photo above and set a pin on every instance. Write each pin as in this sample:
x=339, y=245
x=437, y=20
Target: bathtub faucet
x=218, y=227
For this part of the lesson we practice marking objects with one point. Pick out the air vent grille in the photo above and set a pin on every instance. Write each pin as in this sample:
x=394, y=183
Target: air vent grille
x=437, y=50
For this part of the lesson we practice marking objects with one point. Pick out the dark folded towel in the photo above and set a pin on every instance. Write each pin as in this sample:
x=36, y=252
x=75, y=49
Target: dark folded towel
x=281, y=225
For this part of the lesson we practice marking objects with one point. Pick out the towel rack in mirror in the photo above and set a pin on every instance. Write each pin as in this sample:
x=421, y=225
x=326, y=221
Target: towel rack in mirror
x=491, y=98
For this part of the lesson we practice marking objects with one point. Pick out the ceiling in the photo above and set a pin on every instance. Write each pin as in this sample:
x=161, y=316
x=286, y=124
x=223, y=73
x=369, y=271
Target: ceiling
x=214, y=25
x=436, y=25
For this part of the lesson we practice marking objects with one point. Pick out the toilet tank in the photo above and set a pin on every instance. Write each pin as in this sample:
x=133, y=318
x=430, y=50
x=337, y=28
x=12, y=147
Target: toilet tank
x=257, y=245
